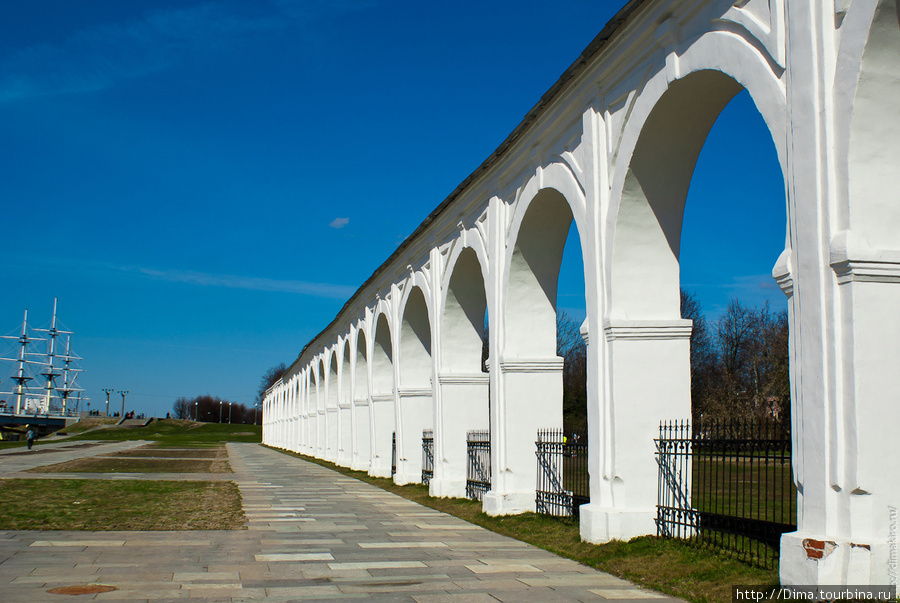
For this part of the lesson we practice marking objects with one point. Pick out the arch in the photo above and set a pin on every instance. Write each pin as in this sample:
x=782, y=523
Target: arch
x=644, y=273
x=415, y=340
x=869, y=138
x=465, y=304
x=537, y=239
x=468, y=240
x=361, y=385
x=346, y=393
x=332, y=385
x=382, y=357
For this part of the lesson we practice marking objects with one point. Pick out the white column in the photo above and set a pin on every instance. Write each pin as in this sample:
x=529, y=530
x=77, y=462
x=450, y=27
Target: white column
x=384, y=425
x=415, y=410
x=464, y=407
x=531, y=390
x=650, y=380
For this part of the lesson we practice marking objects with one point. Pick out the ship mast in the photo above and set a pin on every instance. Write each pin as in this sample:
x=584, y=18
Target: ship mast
x=50, y=375
x=21, y=378
x=54, y=364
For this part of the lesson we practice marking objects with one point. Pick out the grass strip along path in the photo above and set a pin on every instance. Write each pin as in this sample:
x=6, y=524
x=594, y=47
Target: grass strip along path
x=80, y=504
x=668, y=566
x=146, y=459
x=122, y=504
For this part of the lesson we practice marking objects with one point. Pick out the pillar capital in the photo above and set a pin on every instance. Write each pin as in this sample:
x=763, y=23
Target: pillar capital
x=617, y=328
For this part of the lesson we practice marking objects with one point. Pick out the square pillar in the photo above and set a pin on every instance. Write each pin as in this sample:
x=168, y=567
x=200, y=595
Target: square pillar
x=650, y=380
x=848, y=528
x=415, y=415
x=361, y=449
x=531, y=392
x=464, y=406
x=383, y=422
x=345, y=441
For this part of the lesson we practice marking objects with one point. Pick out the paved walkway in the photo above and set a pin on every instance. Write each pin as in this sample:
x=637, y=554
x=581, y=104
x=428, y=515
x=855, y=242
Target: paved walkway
x=312, y=534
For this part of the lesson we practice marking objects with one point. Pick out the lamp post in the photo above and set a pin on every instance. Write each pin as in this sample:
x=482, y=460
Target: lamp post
x=196, y=413
x=220, y=412
x=108, y=392
x=124, y=393
x=229, y=413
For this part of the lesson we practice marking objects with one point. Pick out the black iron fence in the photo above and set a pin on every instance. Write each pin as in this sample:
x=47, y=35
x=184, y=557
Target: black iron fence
x=427, y=455
x=478, y=466
x=727, y=484
x=393, y=454
x=563, y=484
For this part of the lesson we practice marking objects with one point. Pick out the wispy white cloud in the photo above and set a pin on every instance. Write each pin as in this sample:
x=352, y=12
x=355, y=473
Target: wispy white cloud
x=14, y=263
x=339, y=222
x=99, y=57
x=204, y=279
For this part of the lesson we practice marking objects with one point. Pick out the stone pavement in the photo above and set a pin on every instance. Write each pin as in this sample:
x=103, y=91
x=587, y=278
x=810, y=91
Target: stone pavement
x=312, y=534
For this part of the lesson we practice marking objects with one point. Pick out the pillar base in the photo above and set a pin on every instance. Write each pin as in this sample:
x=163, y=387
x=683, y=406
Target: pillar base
x=447, y=488
x=818, y=560
x=380, y=468
x=604, y=524
x=402, y=478
x=508, y=503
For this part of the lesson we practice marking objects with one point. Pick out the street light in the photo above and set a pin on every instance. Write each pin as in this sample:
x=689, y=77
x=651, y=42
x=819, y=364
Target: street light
x=108, y=392
x=220, y=412
x=229, y=413
x=196, y=412
x=124, y=393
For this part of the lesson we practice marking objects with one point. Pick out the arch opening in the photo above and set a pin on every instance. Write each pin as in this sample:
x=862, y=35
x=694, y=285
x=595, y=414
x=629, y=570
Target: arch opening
x=415, y=342
x=464, y=316
x=534, y=277
x=382, y=358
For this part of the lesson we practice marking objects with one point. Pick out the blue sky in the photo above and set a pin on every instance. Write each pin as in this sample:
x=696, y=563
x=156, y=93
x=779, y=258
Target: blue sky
x=203, y=184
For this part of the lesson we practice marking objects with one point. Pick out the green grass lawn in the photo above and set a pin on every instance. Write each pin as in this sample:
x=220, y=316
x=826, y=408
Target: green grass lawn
x=75, y=504
x=174, y=432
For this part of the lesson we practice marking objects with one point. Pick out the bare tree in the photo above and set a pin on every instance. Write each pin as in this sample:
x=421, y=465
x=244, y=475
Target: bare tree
x=268, y=380
x=743, y=369
x=571, y=347
x=182, y=408
x=703, y=354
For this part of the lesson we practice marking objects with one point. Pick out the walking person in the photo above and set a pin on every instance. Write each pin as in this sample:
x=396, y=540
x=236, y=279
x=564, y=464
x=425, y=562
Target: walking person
x=30, y=436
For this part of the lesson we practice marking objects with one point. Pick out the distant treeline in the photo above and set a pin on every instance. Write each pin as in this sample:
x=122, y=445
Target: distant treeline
x=213, y=409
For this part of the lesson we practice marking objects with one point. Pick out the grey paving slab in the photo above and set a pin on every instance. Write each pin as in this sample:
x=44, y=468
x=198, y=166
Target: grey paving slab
x=311, y=534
